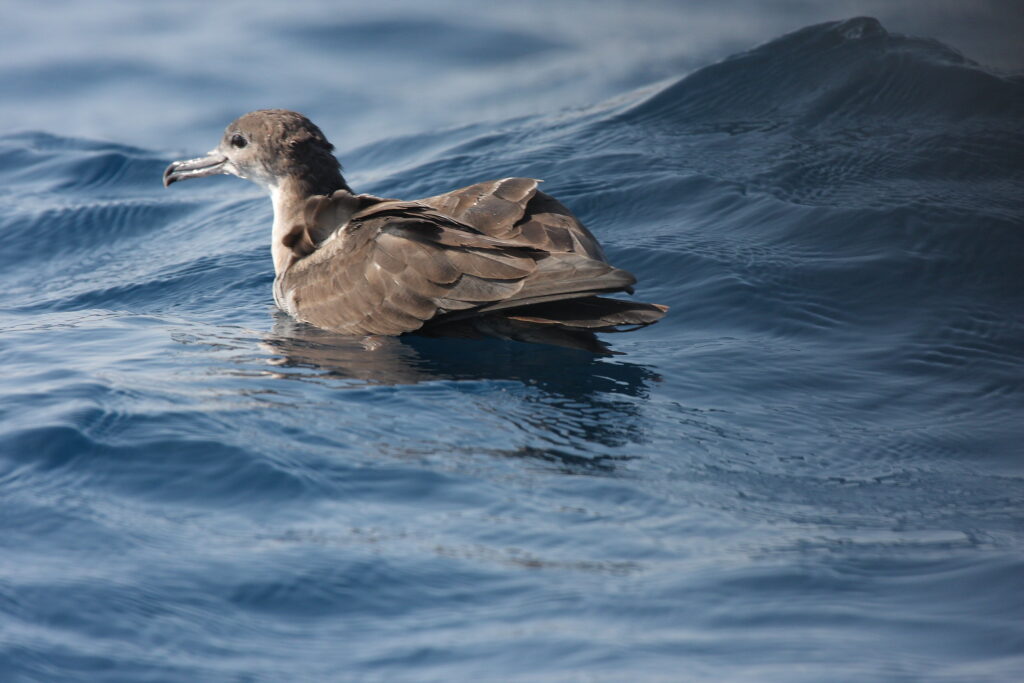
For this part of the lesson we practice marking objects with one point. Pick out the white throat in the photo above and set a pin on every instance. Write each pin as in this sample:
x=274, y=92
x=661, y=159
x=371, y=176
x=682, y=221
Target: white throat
x=282, y=255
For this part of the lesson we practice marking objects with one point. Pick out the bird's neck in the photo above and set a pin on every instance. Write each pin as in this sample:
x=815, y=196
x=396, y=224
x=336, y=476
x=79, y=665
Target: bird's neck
x=289, y=197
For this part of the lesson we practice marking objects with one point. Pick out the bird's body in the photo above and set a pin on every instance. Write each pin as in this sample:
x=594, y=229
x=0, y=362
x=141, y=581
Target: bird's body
x=497, y=258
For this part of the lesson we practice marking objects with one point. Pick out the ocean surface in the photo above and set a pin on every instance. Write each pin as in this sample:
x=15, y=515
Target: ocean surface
x=810, y=470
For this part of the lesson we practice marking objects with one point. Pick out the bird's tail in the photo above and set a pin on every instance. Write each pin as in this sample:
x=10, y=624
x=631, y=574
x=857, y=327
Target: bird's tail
x=593, y=314
x=569, y=323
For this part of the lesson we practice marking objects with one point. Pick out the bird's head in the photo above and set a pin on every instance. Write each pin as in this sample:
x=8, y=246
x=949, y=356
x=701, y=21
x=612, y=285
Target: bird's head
x=269, y=147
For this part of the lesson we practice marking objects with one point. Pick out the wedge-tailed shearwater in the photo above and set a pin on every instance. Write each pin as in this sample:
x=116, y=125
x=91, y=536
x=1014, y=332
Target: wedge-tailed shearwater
x=498, y=258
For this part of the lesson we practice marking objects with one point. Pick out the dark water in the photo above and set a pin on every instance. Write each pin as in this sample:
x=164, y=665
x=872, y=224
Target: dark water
x=811, y=470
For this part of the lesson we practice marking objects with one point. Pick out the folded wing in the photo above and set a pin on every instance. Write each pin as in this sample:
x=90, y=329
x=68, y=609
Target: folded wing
x=366, y=265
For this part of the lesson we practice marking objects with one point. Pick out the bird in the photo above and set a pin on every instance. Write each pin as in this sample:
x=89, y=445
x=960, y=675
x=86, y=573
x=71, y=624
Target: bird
x=495, y=259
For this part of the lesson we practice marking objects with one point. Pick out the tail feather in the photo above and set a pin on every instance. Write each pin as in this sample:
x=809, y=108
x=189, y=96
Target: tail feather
x=568, y=323
x=596, y=314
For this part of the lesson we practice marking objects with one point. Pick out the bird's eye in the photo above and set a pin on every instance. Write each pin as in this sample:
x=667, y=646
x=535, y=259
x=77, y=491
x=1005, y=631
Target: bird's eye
x=238, y=141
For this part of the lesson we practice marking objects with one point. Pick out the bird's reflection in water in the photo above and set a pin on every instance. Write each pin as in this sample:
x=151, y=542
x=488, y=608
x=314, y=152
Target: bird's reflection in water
x=372, y=360
x=579, y=403
x=411, y=359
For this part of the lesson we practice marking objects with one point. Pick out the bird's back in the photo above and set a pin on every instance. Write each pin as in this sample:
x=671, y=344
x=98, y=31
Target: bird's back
x=514, y=209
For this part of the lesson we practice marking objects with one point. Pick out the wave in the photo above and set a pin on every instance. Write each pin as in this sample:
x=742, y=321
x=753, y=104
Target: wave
x=842, y=71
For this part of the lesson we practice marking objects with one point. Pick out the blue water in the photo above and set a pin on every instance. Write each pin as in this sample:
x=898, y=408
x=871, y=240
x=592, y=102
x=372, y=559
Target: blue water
x=810, y=470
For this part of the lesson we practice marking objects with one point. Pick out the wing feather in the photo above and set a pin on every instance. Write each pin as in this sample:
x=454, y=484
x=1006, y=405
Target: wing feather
x=366, y=265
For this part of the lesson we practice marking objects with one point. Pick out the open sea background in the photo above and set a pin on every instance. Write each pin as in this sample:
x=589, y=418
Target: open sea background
x=811, y=470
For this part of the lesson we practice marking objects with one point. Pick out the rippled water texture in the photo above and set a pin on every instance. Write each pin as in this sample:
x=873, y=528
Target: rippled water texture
x=810, y=470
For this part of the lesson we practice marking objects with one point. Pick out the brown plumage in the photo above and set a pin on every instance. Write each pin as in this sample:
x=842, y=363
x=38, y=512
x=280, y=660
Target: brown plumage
x=498, y=258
